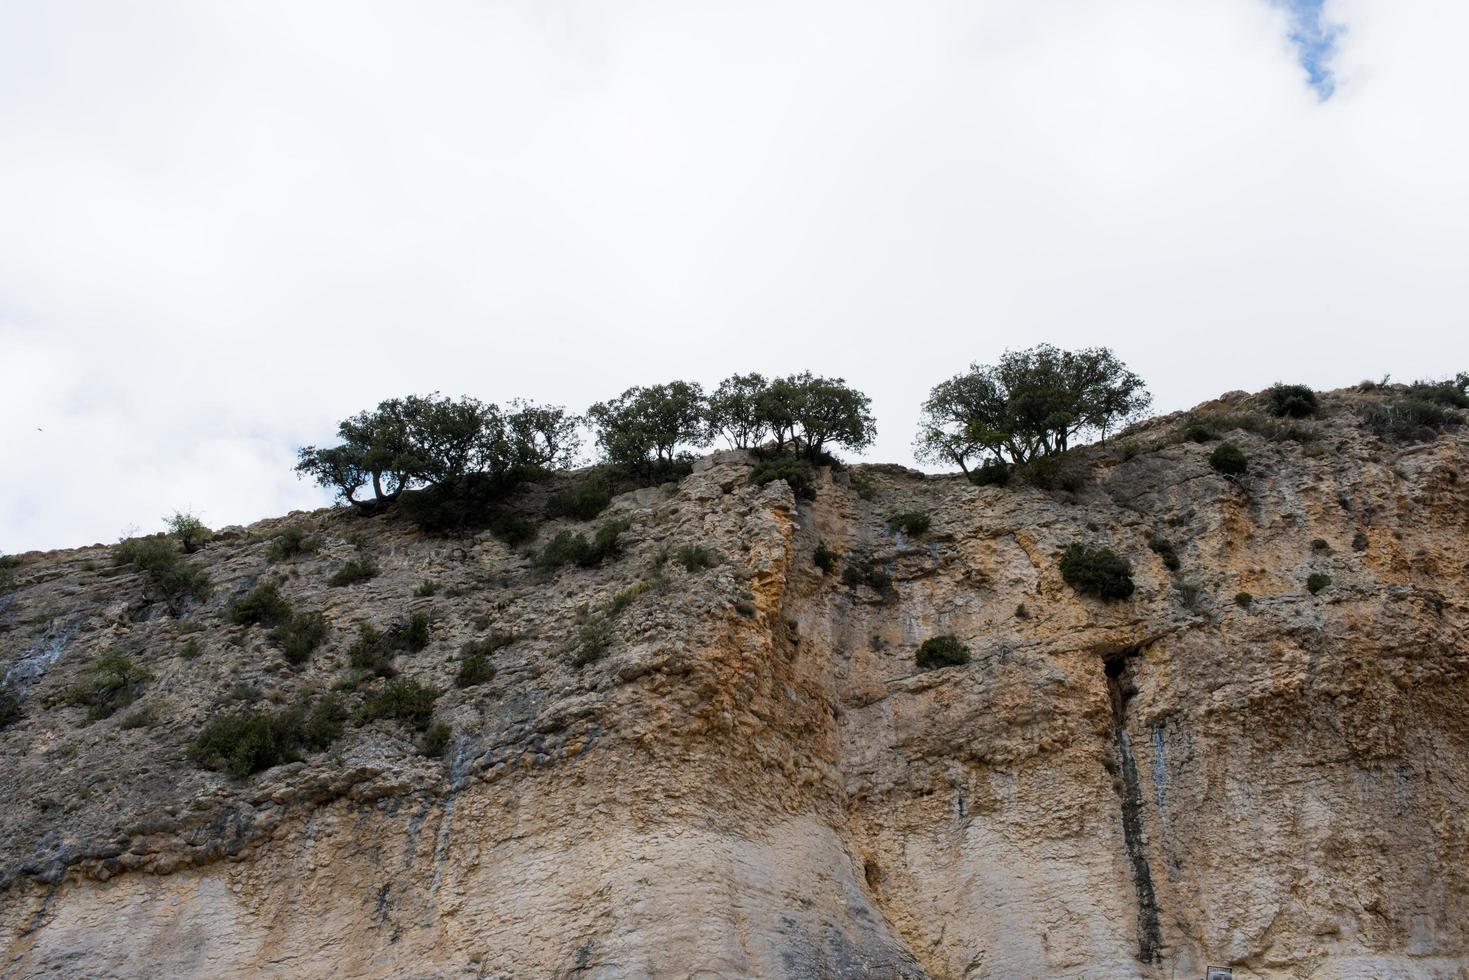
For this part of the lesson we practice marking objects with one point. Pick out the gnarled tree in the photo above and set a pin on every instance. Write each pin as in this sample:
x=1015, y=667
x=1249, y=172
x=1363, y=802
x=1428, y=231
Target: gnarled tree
x=1033, y=403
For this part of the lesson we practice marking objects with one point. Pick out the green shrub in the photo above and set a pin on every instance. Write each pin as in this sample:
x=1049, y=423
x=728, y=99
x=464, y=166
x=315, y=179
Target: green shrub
x=487, y=645
x=355, y=570
x=262, y=605
x=1229, y=460
x=189, y=530
x=797, y=474
x=910, y=522
x=1191, y=593
x=435, y=741
x=158, y=559
x=1292, y=401
x=513, y=529
x=245, y=743
x=583, y=500
x=863, y=486
x=325, y=723
x=10, y=712
x=866, y=571
x=569, y=548
x=145, y=716
x=368, y=651
x=623, y=598
x=1407, y=418
x=426, y=588
x=1243, y=599
x=1321, y=546
x=1099, y=572
x=299, y=636
x=1164, y=549
x=113, y=683
x=474, y=668
x=1317, y=581
x=1021, y=612
x=190, y=649
x=415, y=635
x=941, y=651
x=292, y=541
x=696, y=557
x=592, y=640
x=992, y=473
x=1195, y=431
x=825, y=558
x=1359, y=541
x=402, y=699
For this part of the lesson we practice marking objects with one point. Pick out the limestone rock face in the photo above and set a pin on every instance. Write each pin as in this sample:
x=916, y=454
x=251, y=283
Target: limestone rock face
x=756, y=779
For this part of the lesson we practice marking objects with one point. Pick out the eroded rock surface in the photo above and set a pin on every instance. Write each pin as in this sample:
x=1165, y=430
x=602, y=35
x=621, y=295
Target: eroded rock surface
x=756, y=780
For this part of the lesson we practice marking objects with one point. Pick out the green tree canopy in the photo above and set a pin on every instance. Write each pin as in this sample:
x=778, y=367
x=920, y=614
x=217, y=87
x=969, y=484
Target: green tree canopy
x=644, y=427
x=1033, y=403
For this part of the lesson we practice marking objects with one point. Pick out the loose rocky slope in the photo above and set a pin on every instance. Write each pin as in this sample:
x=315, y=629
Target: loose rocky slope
x=756, y=780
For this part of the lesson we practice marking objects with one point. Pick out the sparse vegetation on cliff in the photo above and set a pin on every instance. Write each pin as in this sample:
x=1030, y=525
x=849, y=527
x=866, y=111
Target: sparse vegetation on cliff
x=941, y=651
x=1098, y=572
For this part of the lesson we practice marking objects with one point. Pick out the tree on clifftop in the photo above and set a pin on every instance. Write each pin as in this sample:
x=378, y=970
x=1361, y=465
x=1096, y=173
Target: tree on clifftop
x=1033, y=403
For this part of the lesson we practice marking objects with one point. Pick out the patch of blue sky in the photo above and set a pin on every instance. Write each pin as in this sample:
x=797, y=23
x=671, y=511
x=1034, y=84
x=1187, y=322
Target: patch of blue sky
x=1315, y=41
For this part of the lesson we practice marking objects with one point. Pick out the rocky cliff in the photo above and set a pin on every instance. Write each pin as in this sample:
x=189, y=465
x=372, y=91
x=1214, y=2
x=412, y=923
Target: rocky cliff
x=747, y=774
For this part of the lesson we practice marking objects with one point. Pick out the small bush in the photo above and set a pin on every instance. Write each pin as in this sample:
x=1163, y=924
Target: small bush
x=1191, y=593
x=941, y=651
x=1229, y=460
x=356, y=570
x=113, y=683
x=158, y=559
x=592, y=640
x=1293, y=401
x=797, y=474
x=291, y=542
x=1164, y=549
x=1317, y=581
x=513, y=529
x=1321, y=546
x=1243, y=599
x=1021, y=612
x=190, y=649
x=1195, y=431
x=299, y=636
x=568, y=548
x=825, y=558
x=487, y=645
x=415, y=635
x=1359, y=541
x=863, y=486
x=583, y=500
x=474, y=669
x=245, y=743
x=1099, y=572
x=189, y=530
x=368, y=651
x=402, y=699
x=435, y=741
x=992, y=473
x=145, y=716
x=910, y=522
x=10, y=712
x=1407, y=419
x=623, y=598
x=426, y=588
x=866, y=571
x=695, y=557
x=261, y=606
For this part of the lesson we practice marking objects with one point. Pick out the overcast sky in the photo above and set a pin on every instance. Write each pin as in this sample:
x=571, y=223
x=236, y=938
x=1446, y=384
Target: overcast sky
x=223, y=226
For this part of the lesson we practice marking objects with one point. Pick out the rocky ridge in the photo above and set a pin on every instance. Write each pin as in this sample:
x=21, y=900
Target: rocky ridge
x=756, y=779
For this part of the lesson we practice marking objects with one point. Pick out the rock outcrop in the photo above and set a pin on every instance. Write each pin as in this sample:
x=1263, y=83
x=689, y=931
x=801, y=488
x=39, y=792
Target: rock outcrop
x=756, y=780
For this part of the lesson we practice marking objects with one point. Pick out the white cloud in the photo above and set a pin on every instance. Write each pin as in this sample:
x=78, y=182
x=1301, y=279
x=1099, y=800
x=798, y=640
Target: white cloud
x=222, y=227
